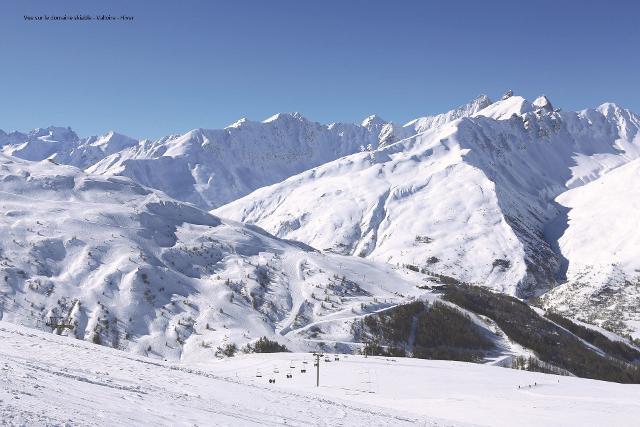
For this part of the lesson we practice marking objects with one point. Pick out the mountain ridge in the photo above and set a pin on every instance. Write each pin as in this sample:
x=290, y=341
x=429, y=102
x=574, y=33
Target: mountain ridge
x=473, y=193
x=215, y=166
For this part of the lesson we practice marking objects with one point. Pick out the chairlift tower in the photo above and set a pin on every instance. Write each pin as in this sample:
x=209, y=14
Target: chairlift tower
x=317, y=356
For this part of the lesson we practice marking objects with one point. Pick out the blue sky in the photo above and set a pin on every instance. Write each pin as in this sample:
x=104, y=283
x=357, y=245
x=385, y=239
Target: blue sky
x=203, y=63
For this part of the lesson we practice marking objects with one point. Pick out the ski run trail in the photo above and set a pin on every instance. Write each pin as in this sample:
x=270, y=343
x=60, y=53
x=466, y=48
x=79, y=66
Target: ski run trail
x=47, y=379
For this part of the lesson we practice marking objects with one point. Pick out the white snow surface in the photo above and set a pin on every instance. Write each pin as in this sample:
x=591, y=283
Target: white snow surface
x=603, y=244
x=601, y=215
x=52, y=380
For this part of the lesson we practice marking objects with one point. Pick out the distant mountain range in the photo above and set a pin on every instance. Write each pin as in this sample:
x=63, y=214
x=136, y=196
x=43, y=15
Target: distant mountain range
x=111, y=237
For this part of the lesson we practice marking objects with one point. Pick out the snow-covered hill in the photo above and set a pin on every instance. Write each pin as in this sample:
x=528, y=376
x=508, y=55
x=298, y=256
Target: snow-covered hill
x=116, y=263
x=474, y=199
x=51, y=380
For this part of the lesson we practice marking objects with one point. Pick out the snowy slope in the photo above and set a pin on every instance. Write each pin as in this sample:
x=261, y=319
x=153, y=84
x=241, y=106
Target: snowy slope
x=401, y=206
x=128, y=267
x=50, y=380
x=602, y=243
x=474, y=199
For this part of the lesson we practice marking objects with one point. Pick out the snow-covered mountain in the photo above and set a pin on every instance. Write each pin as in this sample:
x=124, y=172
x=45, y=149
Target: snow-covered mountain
x=475, y=199
x=106, y=260
x=63, y=145
x=212, y=167
x=503, y=194
x=109, y=261
x=392, y=132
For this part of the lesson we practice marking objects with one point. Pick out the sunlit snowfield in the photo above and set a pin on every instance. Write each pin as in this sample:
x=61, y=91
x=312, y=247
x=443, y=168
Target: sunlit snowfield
x=52, y=380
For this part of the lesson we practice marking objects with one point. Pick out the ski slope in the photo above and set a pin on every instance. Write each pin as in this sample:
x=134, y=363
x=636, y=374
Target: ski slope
x=52, y=380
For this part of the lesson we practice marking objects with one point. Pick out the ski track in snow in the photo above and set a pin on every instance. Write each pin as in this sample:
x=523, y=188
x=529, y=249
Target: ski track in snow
x=52, y=380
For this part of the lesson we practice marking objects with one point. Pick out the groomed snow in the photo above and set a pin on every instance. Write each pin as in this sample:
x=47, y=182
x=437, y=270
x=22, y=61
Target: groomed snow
x=51, y=380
